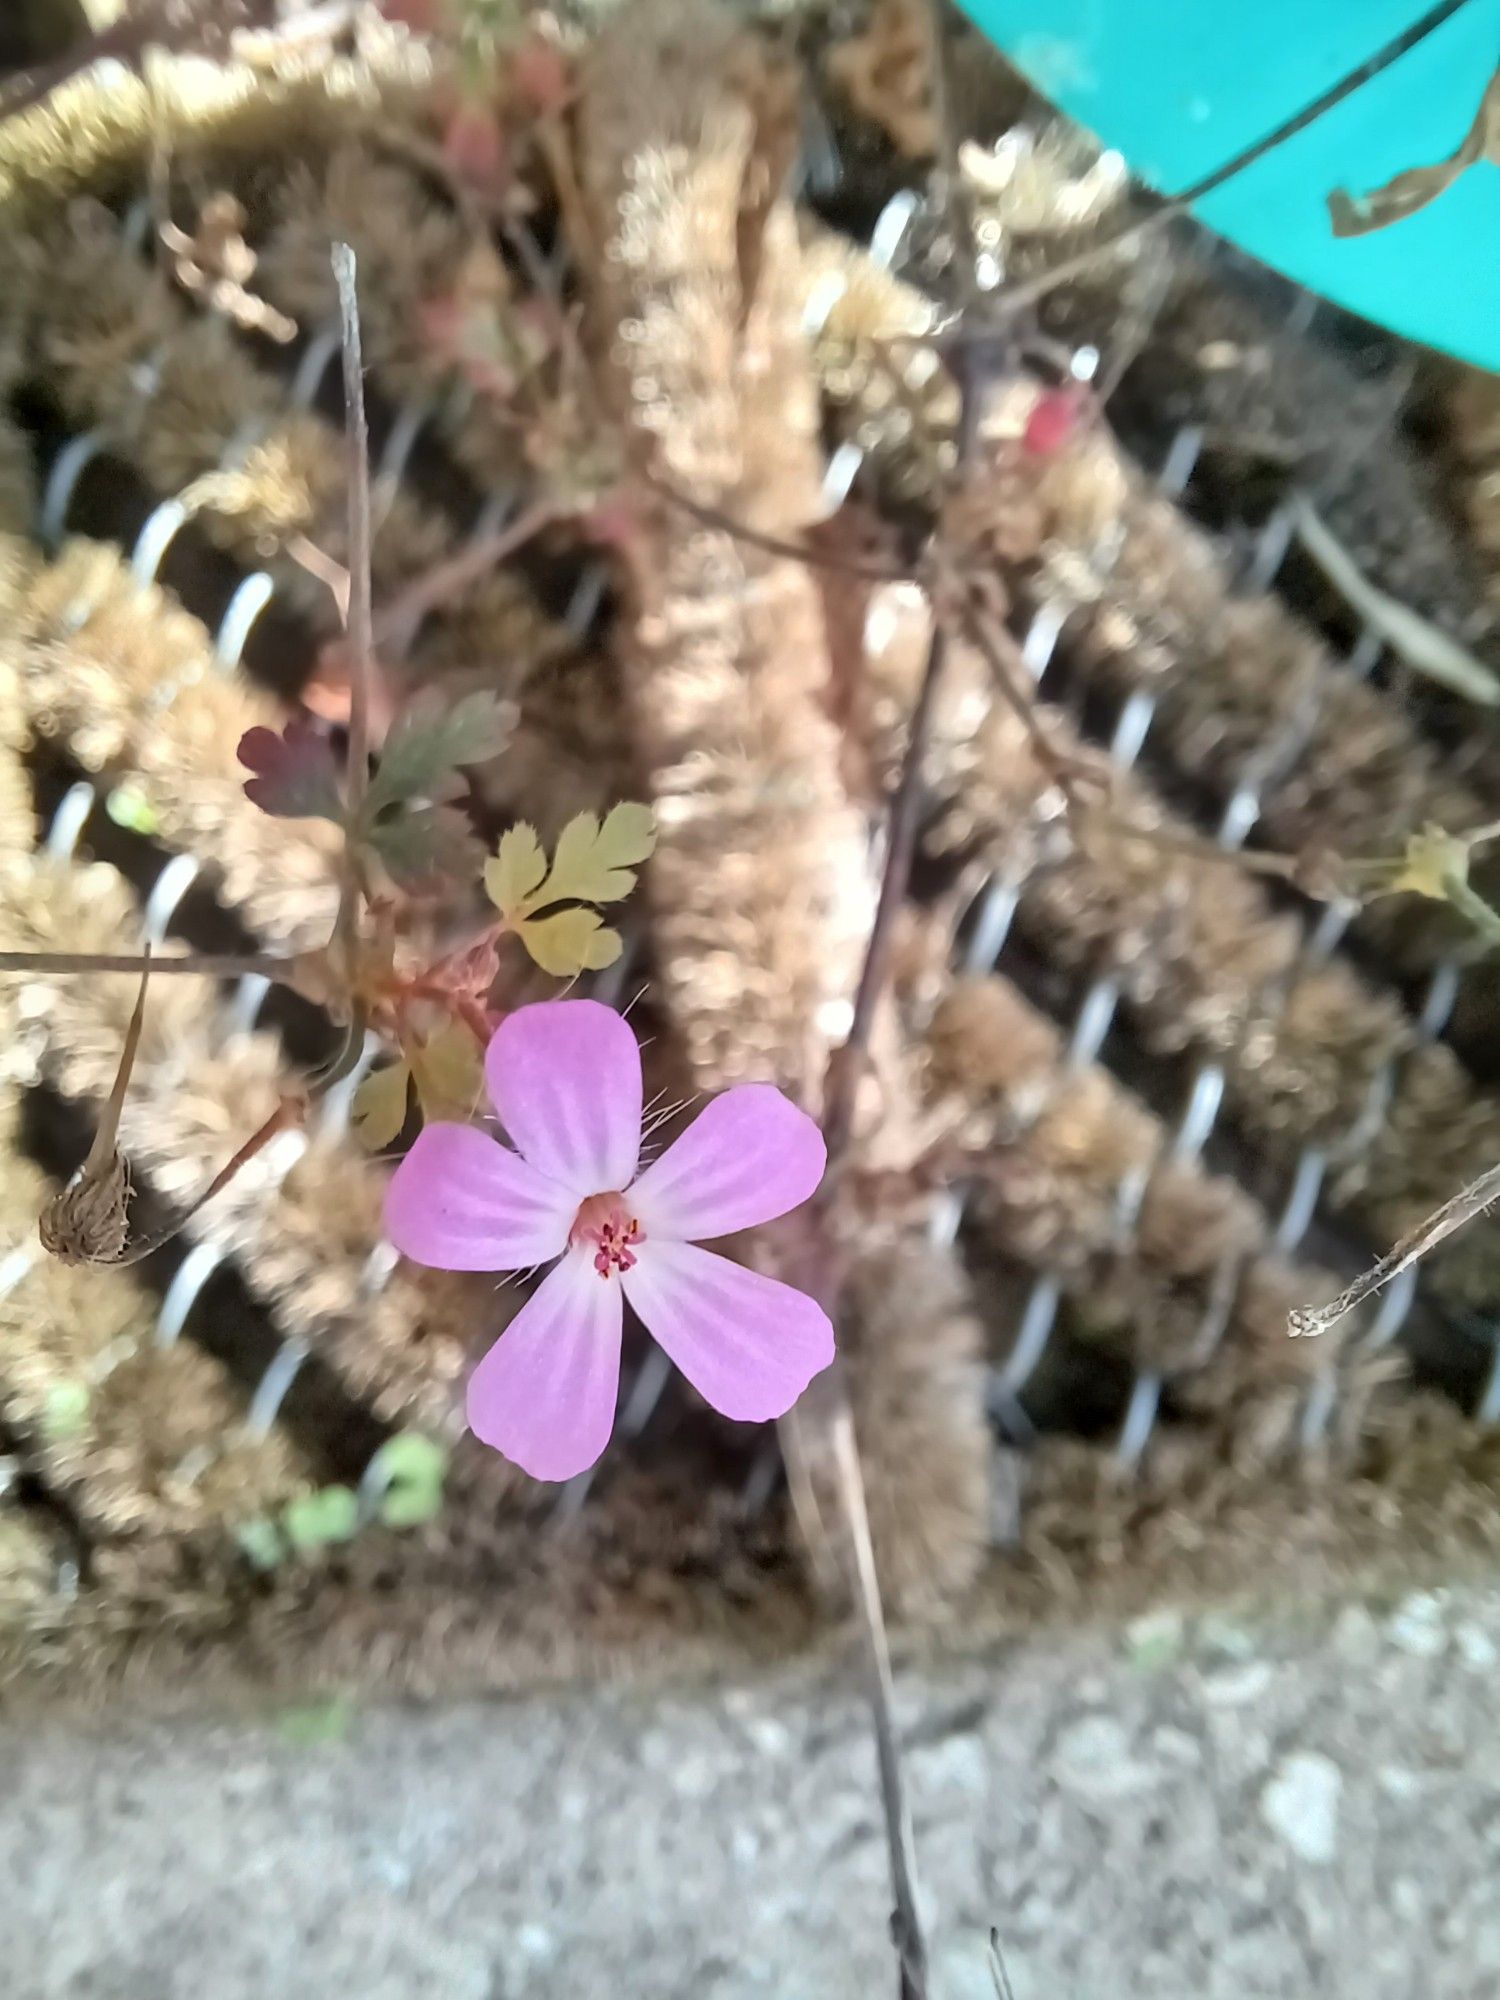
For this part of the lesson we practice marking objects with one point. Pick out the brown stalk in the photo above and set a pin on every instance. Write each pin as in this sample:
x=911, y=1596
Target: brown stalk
x=1468, y=1203
x=211, y=965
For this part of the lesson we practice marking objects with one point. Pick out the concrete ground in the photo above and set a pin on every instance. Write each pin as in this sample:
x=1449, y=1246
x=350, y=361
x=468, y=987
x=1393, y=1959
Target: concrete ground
x=1185, y=1809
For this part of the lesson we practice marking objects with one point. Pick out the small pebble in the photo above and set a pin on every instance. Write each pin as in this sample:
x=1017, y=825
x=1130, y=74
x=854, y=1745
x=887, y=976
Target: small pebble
x=1417, y=1627
x=1093, y=1761
x=1301, y=1805
x=1476, y=1648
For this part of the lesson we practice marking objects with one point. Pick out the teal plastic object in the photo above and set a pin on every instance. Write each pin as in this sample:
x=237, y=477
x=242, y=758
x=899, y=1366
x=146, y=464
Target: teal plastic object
x=1180, y=86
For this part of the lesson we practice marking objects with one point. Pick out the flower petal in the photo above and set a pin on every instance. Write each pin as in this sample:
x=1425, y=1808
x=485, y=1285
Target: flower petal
x=463, y=1202
x=748, y=1156
x=749, y=1345
x=545, y=1394
x=565, y=1077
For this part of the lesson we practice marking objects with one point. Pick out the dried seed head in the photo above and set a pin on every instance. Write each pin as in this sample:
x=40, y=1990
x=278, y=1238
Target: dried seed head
x=85, y=1224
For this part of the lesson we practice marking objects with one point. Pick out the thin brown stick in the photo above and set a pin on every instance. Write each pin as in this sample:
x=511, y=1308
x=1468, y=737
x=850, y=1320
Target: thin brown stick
x=845, y=1069
x=396, y=625
x=210, y=965
x=774, y=545
x=906, y=1917
x=102, y=1153
x=901, y=837
x=291, y=1111
x=1468, y=1203
x=1008, y=672
x=1016, y=296
x=361, y=611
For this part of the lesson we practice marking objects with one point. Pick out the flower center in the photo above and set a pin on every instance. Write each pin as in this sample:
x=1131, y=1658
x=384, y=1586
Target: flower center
x=602, y=1221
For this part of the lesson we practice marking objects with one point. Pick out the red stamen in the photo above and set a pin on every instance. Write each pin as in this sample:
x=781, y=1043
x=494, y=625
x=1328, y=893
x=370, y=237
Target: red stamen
x=602, y=1220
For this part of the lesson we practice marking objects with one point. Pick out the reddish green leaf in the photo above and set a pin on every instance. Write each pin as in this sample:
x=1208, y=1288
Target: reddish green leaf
x=295, y=773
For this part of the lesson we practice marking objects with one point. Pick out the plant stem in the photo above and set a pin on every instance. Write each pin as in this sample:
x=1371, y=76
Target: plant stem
x=361, y=611
x=844, y=1071
x=1482, y=917
x=1463, y=1207
x=398, y=621
x=901, y=837
x=210, y=965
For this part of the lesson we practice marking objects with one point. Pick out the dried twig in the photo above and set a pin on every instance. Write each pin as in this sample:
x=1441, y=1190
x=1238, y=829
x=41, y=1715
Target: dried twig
x=85, y=1224
x=845, y=1069
x=775, y=545
x=361, y=623
x=1468, y=1203
x=396, y=625
x=210, y=965
x=1425, y=647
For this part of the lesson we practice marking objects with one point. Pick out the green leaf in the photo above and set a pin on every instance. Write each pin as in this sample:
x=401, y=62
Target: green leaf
x=309, y=1724
x=66, y=1411
x=516, y=871
x=295, y=776
x=1432, y=862
x=448, y=1071
x=424, y=844
x=427, y=743
x=379, y=1108
x=413, y=1468
x=569, y=943
x=129, y=807
x=592, y=863
x=316, y=1520
x=260, y=1543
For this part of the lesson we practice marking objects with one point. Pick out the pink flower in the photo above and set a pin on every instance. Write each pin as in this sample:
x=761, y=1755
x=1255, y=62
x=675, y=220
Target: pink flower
x=565, y=1080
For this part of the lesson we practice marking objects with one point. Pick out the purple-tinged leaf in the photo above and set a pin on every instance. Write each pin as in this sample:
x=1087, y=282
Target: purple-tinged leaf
x=296, y=776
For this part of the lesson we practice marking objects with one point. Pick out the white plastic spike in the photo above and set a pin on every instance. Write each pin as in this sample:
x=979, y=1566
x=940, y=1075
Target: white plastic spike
x=645, y=1393
x=1396, y=1302
x=158, y=531
x=167, y=891
x=1095, y=1019
x=68, y=822
x=890, y=228
x=1140, y=1415
x=314, y=366
x=404, y=434
x=192, y=1274
x=1198, y=1119
x=1270, y=550
x=1442, y=995
x=1132, y=726
x=251, y=596
x=1488, y=1411
x=339, y=1102
x=1302, y=1199
x=843, y=468
x=588, y=594
x=1037, y=1320
x=249, y=998
x=16, y=1264
x=1182, y=456
x=944, y=1217
x=271, y=1389
x=992, y=926
x=67, y=469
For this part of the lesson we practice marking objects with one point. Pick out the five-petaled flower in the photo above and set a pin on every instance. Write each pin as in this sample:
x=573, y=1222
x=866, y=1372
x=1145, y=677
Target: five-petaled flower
x=565, y=1080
